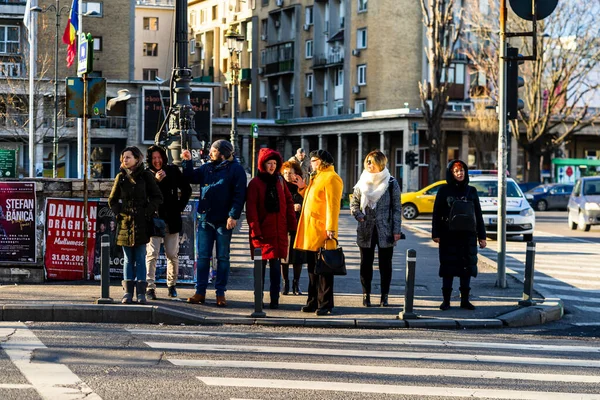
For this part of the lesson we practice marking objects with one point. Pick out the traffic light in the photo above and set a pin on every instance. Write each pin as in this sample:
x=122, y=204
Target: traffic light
x=412, y=159
x=513, y=83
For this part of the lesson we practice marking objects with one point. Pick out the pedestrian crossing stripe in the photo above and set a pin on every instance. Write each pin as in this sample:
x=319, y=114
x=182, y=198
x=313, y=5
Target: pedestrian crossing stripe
x=476, y=358
x=381, y=370
x=392, y=389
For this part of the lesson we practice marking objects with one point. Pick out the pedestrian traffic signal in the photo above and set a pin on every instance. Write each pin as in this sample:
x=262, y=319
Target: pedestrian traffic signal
x=412, y=159
x=513, y=83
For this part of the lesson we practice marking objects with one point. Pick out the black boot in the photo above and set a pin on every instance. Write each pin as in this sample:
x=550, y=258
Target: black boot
x=286, y=287
x=464, y=299
x=151, y=294
x=384, y=300
x=128, y=295
x=296, y=288
x=366, y=300
x=447, y=293
x=140, y=288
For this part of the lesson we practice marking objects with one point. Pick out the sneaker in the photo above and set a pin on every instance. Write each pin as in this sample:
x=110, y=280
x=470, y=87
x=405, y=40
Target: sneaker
x=172, y=291
x=151, y=294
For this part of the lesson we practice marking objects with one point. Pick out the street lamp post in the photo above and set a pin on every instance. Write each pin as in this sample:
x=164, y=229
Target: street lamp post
x=235, y=43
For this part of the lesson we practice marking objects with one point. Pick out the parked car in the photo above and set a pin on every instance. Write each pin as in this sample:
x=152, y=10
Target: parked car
x=420, y=202
x=527, y=186
x=584, y=204
x=520, y=217
x=549, y=196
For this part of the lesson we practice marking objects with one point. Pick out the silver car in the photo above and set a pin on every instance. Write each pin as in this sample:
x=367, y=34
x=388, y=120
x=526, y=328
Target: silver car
x=584, y=203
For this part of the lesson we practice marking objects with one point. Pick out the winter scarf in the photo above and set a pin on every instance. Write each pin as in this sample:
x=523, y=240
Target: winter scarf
x=129, y=172
x=271, y=197
x=372, y=186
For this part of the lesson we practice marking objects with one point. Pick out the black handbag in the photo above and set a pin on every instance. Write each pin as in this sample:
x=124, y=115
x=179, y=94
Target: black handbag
x=330, y=262
x=158, y=227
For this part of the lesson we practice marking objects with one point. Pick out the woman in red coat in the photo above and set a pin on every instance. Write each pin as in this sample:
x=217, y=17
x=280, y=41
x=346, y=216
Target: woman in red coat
x=270, y=215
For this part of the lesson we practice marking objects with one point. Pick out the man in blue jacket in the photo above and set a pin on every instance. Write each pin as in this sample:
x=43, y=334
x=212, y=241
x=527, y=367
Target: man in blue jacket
x=222, y=195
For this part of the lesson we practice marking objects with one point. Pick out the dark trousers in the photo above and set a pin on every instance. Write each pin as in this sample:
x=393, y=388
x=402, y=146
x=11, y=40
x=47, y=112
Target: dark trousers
x=367, y=257
x=320, y=287
x=285, y=269
x=275, y=280
x=465, y=282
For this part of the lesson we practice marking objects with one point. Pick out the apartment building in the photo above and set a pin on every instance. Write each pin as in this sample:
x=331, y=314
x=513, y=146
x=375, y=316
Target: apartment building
x=153, y=45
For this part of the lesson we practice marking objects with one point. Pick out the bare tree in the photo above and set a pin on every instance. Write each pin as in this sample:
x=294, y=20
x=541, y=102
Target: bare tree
x=558, y=86
x=443, y=26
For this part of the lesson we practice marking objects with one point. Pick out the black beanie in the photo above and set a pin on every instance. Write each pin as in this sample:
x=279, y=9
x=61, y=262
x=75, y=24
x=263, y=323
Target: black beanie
x=224, y=147
x=322, y=155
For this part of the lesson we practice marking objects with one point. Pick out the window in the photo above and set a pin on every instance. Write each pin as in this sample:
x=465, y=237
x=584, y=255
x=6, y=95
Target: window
x=361, y=74
x=101, y=161
x=151, y=49
x=362, y=5
x=264, y=27
x=90, y=6
x=150, y=23
x=309, y=83
x=265, y=3
x=263, y=57
x=203, y=16
x=193, y=18
x=308, y=53
x=361, y=38
x=150, y=74
x=9, y=39
x=8, y=69
x=192, y=46
x=360, y=106
x=308, y=18
x=97, y=43
x=215, y=12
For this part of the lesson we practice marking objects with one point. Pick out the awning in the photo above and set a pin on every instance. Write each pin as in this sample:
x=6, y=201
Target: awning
x=339, y=36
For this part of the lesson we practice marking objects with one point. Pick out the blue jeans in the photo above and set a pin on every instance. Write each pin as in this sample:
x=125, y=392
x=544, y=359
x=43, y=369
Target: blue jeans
x=274, y=277
x=207, y=235
x=134, y=256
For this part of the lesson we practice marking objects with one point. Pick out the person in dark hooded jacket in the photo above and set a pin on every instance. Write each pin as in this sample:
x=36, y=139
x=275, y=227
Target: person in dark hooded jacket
x=176, y=192
x=458, y=249
x=270, y=214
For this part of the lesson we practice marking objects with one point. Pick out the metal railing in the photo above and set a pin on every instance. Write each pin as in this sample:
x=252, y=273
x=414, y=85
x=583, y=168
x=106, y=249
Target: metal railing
x=109, y=123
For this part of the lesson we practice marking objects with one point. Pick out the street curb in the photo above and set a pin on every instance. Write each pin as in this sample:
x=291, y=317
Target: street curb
x=549, y=311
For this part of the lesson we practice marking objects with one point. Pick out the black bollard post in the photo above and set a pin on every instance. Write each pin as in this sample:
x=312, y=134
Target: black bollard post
x=529, y=270
x=258, y=286
x=105, y=270
x=409, y=289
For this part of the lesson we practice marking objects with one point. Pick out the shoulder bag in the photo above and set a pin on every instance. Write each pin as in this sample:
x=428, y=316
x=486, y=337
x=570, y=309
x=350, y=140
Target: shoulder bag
x=330, y=262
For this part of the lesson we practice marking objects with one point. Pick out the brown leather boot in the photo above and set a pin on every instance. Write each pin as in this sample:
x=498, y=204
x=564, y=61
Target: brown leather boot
x=221, y=302
x=197, y=299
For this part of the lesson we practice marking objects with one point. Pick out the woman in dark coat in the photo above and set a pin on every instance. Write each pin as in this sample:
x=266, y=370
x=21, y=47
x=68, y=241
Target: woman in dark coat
x=134, y=199
x=270, y=215
x=292, y=173
x=458, y=249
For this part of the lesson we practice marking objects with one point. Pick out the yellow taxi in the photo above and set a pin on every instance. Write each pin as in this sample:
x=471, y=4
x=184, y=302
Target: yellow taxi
x=421, y=202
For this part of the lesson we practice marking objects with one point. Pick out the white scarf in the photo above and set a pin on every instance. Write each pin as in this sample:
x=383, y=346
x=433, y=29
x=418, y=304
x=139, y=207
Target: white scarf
x=372, y=186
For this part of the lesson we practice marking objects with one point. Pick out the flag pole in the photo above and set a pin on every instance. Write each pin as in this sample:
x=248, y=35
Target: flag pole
x=80, y=164
x=32, y=39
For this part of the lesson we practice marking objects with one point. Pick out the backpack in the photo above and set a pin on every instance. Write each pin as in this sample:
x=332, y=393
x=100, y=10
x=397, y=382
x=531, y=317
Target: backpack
x=462, y=216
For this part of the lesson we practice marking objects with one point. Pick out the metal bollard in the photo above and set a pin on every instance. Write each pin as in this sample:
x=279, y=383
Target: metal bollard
x=105, y=270
x=409, y=289
x=258, y=286
x=529, y=270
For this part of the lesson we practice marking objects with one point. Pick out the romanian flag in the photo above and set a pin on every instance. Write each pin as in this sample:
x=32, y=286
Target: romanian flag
x=70, y=35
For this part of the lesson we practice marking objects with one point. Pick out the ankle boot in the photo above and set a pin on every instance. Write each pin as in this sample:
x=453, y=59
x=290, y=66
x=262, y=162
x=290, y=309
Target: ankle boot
x=464, y=299
x=366, y=300
x=447, y=293
x=140, y=288
x=384, y=300
x=296, y=288
x=128, y=295
x=286, y=287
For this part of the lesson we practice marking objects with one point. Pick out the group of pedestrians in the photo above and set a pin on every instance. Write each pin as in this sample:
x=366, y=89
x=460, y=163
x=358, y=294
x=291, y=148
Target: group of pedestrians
x=292, y=211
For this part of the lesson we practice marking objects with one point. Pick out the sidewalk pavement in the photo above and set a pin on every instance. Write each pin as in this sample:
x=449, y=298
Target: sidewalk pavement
x=496, y=308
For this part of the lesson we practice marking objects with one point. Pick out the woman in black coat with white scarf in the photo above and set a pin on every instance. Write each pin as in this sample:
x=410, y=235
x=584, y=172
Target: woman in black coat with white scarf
x=458, y=249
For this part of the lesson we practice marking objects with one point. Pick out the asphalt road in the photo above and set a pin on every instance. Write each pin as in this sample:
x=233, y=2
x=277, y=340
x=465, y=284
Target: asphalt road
x=566, y=266
x=76, y=361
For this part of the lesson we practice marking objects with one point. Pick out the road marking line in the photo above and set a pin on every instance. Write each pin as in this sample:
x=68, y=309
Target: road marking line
x=366, y=341
x=588, y=309
x=378, y=370
x=556, y=271
x=391, y=389
x=52, y=381
x=15, y=386
x=452, y=357
x=566, y=288
x=580, y=298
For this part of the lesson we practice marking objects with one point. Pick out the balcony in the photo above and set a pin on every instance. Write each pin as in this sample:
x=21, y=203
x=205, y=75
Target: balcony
x=328, y=60
x=12, y=7
x=279, y=59
x=246, y=74
x=109, y=123
x=285, y=113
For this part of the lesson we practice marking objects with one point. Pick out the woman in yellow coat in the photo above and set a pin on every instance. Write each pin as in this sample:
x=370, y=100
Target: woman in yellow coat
x=319, y=221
